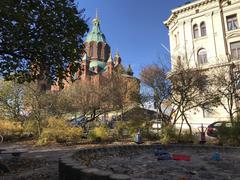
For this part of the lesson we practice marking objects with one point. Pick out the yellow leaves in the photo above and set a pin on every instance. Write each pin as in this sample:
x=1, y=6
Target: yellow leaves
x=99, y=133
x=58, y=130
x=8, y=127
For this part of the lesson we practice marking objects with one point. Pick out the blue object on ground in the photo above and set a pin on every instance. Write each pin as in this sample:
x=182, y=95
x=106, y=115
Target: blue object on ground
x=216, y=156
x=162, y=154
x=158, y=151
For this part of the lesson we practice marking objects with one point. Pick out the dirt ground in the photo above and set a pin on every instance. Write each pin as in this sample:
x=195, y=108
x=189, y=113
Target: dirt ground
x=41, y=163
x=36, y=163
x=145, y=165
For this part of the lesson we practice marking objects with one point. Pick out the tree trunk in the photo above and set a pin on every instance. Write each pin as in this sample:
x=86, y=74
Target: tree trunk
x=176, y=117
x=122, y=114
x=180, y=131
x=190, y=128
x=42, y=82
x=39, y=127
x=231, y=116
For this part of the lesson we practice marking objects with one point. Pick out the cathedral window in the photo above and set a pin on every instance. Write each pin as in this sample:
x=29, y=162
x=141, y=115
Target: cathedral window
x=195, y=31
x=203, y=29
x=202, y=56
x=99, y=51
x=91, y=50
x=232, y=22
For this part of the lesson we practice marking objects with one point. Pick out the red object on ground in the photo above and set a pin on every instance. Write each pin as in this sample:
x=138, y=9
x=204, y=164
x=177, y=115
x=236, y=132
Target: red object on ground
x=181, y=157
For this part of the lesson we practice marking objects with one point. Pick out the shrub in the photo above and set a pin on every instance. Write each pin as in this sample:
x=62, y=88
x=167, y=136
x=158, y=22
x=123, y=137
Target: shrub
x=10, y=130
x=230, y=135
x=186, y=137
x=98, y=134
x=121, y=130
x=30, y=127
x=169, y=135
x=58, y=130
x=149, y=135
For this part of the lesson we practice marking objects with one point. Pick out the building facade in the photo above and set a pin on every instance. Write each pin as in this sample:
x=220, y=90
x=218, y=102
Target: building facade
x=206, y=34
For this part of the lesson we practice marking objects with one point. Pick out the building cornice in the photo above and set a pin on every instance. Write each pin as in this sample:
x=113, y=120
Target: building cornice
x=184, y=8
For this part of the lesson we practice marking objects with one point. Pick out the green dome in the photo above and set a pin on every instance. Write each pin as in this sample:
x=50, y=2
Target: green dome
x=96, y=63
x=96, y=35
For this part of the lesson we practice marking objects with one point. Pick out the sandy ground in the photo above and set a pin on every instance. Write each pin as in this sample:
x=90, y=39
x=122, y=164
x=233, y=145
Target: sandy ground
x=201, y=167
x=41, y=163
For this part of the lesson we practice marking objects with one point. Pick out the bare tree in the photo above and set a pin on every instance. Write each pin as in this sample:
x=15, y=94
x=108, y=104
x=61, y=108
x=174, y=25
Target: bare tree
x=93, y=99
x=123, y=91
x=158, y=90
x=189, y=89
x=86, y=98
x=39, y=105
x=225, y=86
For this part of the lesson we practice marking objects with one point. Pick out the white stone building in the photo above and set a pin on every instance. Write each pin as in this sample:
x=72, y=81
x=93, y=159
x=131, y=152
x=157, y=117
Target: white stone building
x=205, y=33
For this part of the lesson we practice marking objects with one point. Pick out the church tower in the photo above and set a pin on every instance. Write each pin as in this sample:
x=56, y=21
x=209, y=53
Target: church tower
x=110, y=65
x=117, y=58
x=85, y=66
x=96, y=45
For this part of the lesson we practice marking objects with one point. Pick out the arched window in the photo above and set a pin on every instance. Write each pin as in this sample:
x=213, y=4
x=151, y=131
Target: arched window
x=195, y=31
x=202, y=56
x=203, y=29
x=91, y=49
x=106, y=52
x=99, y=51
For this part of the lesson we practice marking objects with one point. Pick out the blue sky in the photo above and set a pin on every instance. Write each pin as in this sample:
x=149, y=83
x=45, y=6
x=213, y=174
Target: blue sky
x=134, y=27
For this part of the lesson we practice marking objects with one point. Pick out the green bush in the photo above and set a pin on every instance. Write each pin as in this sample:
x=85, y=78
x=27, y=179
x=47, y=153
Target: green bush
x=186, y=137
x=149, y=135
x=58, y=130
x=121, y=130
x=99, y=134
x=125, y=130
x=169, y=135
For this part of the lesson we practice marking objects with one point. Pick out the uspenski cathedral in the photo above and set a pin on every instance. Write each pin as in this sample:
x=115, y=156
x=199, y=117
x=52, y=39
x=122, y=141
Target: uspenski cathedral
x=97, y=61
